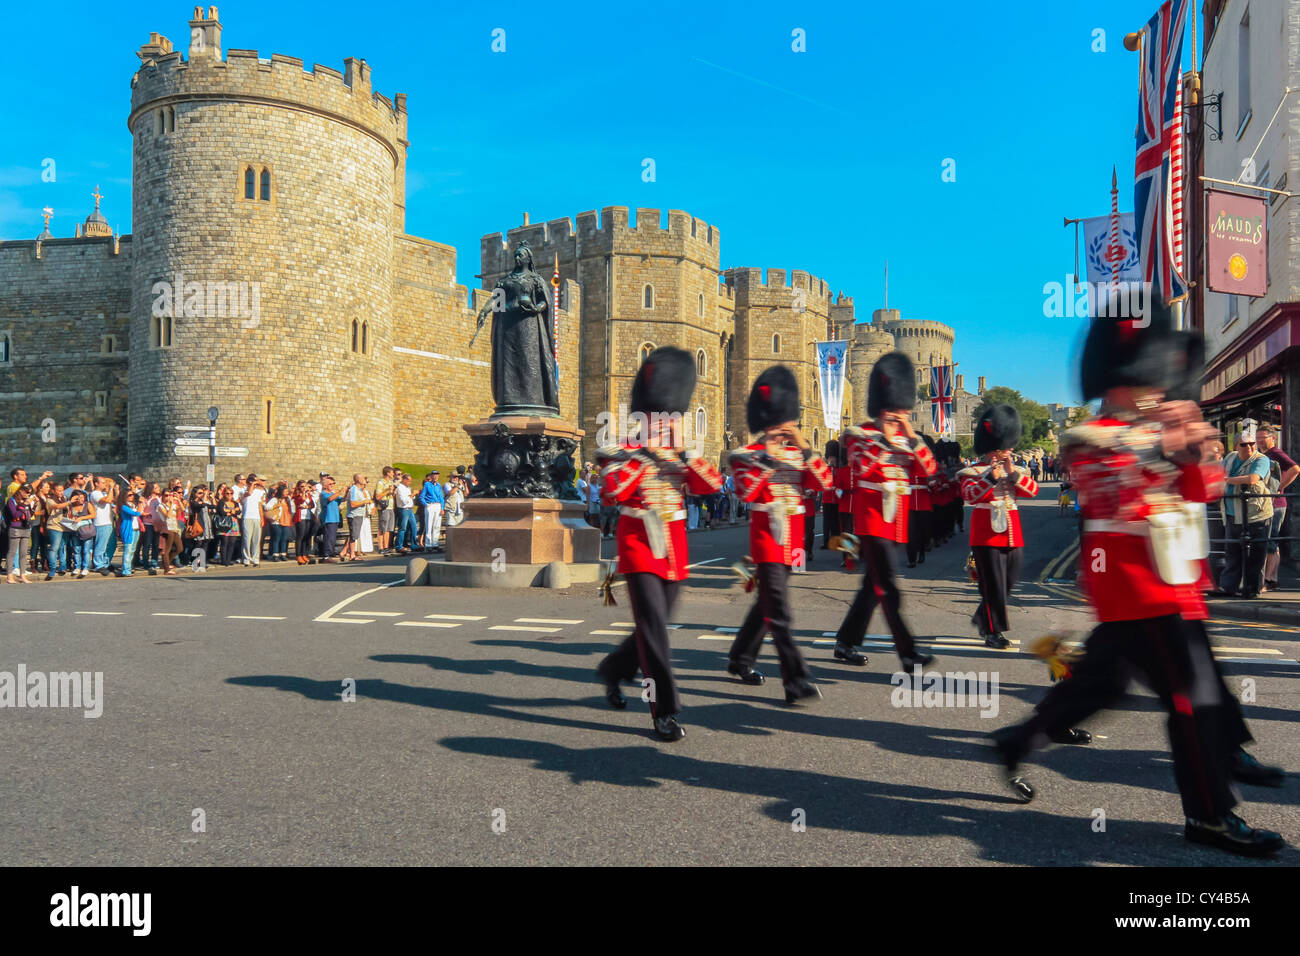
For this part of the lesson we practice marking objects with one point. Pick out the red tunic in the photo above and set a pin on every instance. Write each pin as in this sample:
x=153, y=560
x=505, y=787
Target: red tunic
x=987, y=495
x=774, y=486
x=920, y=497
x=646, y=484
x=880, y=470
x=1122, y=479
x=844, y=485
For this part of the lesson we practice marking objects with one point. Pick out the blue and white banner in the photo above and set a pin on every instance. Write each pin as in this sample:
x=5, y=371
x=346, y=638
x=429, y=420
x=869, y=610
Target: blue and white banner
x=1096, y=246
x=832, y=357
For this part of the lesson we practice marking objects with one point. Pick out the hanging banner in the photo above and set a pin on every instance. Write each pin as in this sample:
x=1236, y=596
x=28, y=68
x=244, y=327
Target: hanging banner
x=1096, y=248
x=1236, y=243
x=831, y=360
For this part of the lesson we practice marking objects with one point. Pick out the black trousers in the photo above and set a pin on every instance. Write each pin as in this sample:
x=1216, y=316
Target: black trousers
x=877, y=588
x=770, y=614
x=918, y=535
x=999, y=570
x=1251, y=562
x=1173, y=658
x=651, y=598
x=959, y=514
x=830, y=522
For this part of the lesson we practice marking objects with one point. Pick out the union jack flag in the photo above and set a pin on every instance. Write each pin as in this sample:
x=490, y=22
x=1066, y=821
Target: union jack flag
x=1157, y=179
x=941, y=398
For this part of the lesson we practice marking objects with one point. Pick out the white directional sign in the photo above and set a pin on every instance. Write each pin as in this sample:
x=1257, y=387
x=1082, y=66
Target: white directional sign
x=192, y=428
x=189, y=451
x=232, y=451
x=192, y=442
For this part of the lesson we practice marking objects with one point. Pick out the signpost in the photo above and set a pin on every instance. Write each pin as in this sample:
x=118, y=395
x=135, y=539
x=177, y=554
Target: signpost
x=225, y=451
x=200, y=447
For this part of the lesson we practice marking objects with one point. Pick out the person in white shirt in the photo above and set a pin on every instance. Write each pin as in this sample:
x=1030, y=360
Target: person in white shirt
x=102, y=499
x=405, y=517
x=253, y=496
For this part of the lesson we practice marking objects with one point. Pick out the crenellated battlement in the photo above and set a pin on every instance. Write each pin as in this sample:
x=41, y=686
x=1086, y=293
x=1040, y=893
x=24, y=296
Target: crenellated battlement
x=611, y=232
x=14, y=253
x=920, y=328
x=777, y=288
x=166, y=78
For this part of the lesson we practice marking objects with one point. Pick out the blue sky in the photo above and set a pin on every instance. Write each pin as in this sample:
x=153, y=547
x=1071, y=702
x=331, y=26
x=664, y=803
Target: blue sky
x=828, y=160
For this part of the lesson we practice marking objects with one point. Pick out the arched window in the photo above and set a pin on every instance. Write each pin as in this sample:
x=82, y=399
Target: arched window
x=646, y=349
x=365, y=338
x=160, y=121
x=776, y=343
x=648, y=299
x=701, y=423
x=815, y=440
x=701, y=363
x=171, y=119
x=250, y=183
x=266, y=184
x=4, y=348
x=356, y=334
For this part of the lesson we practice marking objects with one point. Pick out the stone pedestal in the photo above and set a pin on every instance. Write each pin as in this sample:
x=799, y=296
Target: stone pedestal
x=520, y=531
x=525, y=511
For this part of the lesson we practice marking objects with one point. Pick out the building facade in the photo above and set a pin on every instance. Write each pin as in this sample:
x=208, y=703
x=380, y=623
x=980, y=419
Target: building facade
x=1251, y=55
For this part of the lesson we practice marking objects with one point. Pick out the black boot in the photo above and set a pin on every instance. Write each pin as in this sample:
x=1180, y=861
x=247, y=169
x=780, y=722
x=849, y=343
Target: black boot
x=1230, y=832
x=1010, y=748
x=1070, y=735
x=1247, y=769
x=613, y=694
x=799, y=691
x=916, y=660
x=667, y=729
x=746, y=673
x=996, y=641
x=850, y=655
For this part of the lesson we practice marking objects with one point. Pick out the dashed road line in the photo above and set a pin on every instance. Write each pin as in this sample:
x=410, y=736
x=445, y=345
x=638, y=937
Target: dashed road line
x=35, y=612
x=102, y=613
x=375, y=613
x=456, y=617
x=424, y=624
x=533, y=630
x=251, y=617
x=545, y=620
x=174, y=614
x=609, y=633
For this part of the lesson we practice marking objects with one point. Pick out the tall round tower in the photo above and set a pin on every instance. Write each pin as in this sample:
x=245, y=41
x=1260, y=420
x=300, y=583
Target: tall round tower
x=870, y=342
x=265, y=200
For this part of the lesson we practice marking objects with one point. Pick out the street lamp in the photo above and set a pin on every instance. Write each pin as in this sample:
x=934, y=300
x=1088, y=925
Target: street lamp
x=212, y=414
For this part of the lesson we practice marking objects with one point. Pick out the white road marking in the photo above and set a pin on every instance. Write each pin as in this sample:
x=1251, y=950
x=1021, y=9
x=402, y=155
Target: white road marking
x=536, y=630
x=375, y=613
x=1247, y=650
x=328, y=618
x=455, y=617
x=700, y=564
x=712, y=637
x=961, y=640
x=544, y=620
x=1252, y=660
x=622, y=624
x=424, y=624
x=609, y=633
x=102, y=613
x=251, y=617
x=36, y=612
x=174, y=614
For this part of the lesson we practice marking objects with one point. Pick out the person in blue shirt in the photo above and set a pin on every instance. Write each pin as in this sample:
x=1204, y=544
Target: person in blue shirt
x=329, y=518
x=1246, y=471
x=127, y=531
x=433, y=498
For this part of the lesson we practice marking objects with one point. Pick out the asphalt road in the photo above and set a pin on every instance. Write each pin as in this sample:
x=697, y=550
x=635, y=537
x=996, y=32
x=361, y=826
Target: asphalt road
x=479, y=735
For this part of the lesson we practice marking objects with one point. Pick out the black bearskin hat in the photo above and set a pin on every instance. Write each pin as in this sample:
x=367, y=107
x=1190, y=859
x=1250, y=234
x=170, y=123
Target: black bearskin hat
x=773, y=399
x=931, y=444
x=664, y=382
x=997, y=429
x=832, y=450
x=892, y=386
x=1145, y=352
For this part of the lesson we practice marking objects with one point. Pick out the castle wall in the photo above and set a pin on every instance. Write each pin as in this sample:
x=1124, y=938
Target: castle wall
x=320, y=253
x=439, y=383
x=57, y=310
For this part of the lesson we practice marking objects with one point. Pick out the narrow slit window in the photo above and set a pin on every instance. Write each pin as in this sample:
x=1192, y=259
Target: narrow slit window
x=266, y=184
x=249, y=183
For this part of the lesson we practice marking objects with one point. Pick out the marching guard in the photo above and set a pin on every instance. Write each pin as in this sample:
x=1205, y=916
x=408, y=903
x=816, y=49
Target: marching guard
x=996, y=539
x=830, y=497
x=1144, y=468
x=775, y=475
x=882, y=456
x=920, y=509
x=645, y=480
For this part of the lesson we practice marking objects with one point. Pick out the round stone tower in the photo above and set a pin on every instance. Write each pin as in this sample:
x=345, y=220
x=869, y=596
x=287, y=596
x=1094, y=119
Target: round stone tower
x=870, y=342
x=265, y=200
x=925, y=342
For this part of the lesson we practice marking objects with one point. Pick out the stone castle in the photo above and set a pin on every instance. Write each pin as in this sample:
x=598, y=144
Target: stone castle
x=269, y=273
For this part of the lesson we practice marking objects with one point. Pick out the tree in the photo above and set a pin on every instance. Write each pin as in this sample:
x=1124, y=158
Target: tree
x=1033, y=417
